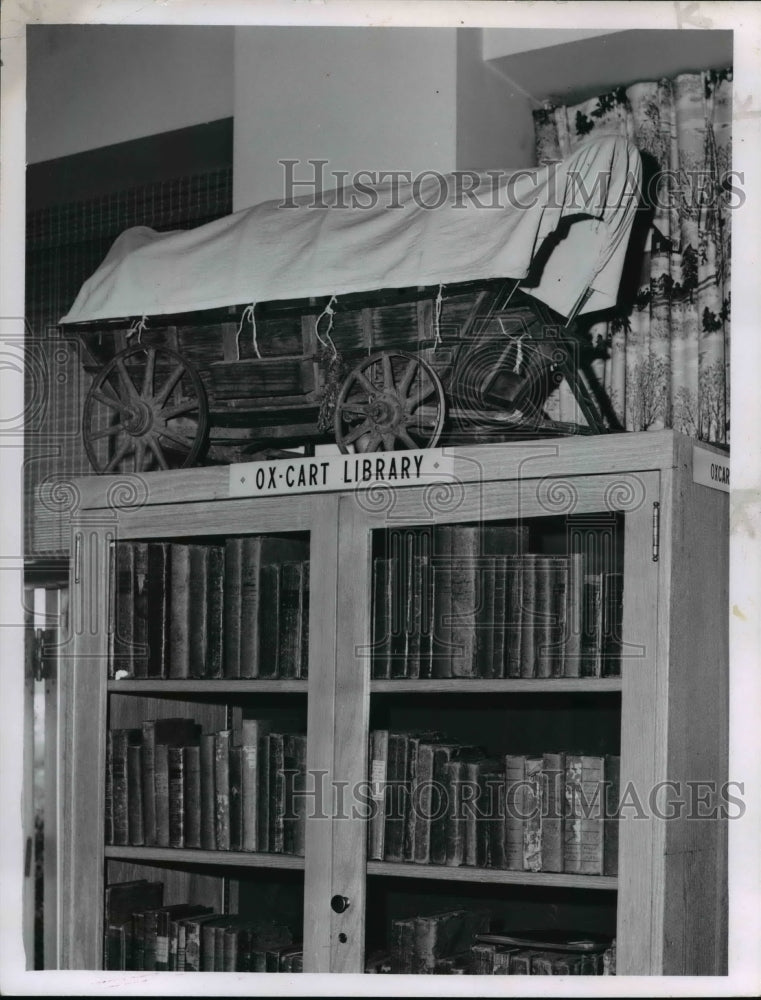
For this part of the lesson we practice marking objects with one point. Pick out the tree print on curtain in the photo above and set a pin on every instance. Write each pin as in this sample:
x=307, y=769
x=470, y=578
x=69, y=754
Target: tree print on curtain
x=664, y=356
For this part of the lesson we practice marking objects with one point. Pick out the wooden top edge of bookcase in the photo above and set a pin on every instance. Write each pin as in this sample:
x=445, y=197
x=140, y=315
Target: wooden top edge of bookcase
x=492, y=875
x=577, y=455
x=209, y=686
x=193, y=856
x=477, y=685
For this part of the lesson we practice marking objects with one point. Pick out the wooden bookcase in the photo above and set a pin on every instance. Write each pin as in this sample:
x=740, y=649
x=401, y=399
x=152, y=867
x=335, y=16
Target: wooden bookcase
x=666, y=714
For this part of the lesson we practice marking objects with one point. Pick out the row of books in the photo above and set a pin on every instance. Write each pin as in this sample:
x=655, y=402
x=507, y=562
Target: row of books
x=170, y=785
x=141, y=934
x=239, y=609
x=458, y=942
x=438, y=802
x=462, y=601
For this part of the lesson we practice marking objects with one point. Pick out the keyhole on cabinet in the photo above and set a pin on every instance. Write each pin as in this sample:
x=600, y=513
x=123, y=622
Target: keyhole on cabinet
x=342, y=938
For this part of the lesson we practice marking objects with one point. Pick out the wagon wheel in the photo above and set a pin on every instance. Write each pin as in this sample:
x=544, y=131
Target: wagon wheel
x=391, y=397
x=145, y=409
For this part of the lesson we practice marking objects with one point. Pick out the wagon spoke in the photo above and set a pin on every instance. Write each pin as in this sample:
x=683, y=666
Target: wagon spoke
x=126, y=380
x=372, y=442
x=140, y=455
x=409, y=374
x=155, y=447
x=389, y=441
x=170, y=383
x=113, y=429
x=184, y=406
x=150, y=366
x=423, y=393
x=119, y=454
x=366, y=383
x=388, y=372
x=350, y=406
x=110, y=401
x=404, y=436
x=358, y=431
x=163, y=431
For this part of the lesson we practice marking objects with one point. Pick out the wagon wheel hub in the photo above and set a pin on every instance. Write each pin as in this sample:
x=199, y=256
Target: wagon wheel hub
x=138, y=419
x=386, y=413
x=389, y=401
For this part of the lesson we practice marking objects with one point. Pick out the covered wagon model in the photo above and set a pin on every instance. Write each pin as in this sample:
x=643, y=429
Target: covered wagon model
x=384, y=318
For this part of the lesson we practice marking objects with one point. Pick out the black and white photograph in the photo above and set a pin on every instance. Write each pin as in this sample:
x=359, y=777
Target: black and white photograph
x=376, y=599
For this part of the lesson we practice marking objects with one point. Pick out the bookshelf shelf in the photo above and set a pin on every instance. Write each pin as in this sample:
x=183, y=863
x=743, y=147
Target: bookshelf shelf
x=210, y=687
x=663, y=720
x=476, y=685
x=188, y=856
x=493, y=876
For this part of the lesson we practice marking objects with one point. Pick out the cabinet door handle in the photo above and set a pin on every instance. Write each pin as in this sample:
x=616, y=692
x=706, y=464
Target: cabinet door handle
x=340, y=903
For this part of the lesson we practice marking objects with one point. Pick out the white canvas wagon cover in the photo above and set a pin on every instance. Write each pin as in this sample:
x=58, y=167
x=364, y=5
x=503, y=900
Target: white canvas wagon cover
x=435, y=230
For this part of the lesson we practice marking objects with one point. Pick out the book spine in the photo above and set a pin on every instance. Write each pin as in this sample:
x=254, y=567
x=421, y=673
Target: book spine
x=123, y=599
x=471, y=786
x=134, y=795
x=591, y=641
x=198, y=610
x=500, y=611
x=176, y=765
x=613, y=594
x=593, y=811
x=442, y=604
x=264, y=797
x=455, y=825
x=411, y=824
x=208, y=800
x=269, y=620
x=513, y=616
x=397, y=798
x=120, y=793
x=251, y=556
x=465, y=571
x=438, y=805
x=158, y=587
x=379, y=750
x=215, y=609
x=572, y=827
x=304, y=637
x=553, y=809
x=543, y=612
x=559, y=611
x=232, y=606
x=496, y=820
x=140, y=650
x=515, y=810
x=148, y=751
x=290, y=619
x=294, y=837
x=179, y=622
x=485, y=621
x=108, y=804
x=401, y=593
x=382, y=597
x=574, y=616
x=416, y=601
x=277, y=792
x=528, y=616
x=161, y=785
x=236, y=799
x=222, y=743
x=422, y=804
x=192, y=796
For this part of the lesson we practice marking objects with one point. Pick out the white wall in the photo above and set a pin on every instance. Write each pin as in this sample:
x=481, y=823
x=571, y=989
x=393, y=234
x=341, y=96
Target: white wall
x=362, y=98
x=494, y=123
x=94, y=85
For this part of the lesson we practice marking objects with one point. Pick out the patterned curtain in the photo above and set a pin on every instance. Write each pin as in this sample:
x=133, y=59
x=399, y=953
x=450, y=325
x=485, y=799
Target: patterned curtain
x=663, y=357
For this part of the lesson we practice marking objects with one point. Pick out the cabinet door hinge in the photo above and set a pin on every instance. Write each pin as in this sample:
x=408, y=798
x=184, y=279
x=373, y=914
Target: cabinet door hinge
x=656, y=530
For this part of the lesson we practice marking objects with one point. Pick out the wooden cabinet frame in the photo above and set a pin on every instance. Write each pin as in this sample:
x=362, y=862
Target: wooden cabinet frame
x=671, y=902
